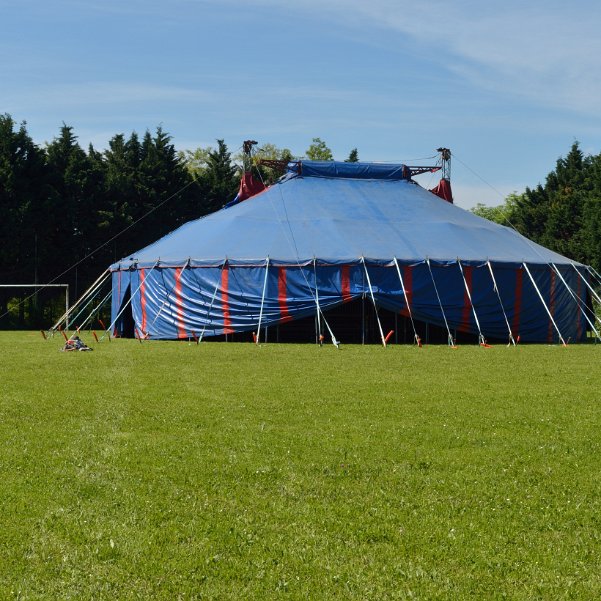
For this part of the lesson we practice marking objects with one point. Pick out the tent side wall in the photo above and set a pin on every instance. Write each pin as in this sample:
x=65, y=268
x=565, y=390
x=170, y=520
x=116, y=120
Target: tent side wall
x=182, y=302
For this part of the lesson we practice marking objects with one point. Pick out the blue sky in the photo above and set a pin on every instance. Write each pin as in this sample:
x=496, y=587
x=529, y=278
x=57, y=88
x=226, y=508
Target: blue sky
x=507, y=86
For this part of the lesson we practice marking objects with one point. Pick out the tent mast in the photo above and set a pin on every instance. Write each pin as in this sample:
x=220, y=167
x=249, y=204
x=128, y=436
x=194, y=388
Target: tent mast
x=445, y=157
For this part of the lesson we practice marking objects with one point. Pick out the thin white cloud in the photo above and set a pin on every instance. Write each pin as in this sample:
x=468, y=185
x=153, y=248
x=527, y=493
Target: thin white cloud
x=546, y=52
x=102, y=93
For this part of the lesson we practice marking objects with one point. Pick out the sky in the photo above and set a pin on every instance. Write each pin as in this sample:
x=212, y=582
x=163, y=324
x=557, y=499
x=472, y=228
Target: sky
x=508, y=87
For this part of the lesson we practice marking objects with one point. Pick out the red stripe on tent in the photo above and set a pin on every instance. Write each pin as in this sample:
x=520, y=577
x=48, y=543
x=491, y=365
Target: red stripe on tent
x=345, y=283
x=551, y=306
x=143, y=299
x=179, y=307
x=225, y=300
x=283, y=295
x=517, y=307
x=467, y=305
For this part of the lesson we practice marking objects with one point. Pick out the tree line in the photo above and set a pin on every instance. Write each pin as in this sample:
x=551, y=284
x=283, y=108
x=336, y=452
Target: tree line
x=564, y=213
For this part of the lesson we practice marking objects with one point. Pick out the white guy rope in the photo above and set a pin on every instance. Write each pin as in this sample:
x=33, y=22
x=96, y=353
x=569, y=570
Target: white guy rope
x=91, y=297
x=94, y=310
x=103, y=276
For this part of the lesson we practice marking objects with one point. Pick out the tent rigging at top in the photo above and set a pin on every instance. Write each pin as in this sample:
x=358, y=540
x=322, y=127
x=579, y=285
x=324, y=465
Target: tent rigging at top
x=250, y=185
x=443, y=188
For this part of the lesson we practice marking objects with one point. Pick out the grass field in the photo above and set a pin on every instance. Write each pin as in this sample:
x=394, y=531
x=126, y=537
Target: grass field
x=224, y=471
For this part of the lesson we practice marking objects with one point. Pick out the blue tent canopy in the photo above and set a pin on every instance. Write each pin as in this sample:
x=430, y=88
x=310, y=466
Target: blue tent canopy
x=313, y=237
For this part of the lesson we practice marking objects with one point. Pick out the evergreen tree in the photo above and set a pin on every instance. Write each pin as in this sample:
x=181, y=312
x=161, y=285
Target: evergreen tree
x=592, y=213
x=149, y=188
x=220, y=178
x=353, y=156
x=118, y=211
x=567, y=199
x=70, y=212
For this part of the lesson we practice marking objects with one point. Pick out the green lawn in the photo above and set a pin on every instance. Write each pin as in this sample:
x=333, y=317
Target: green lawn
x=167, y=470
